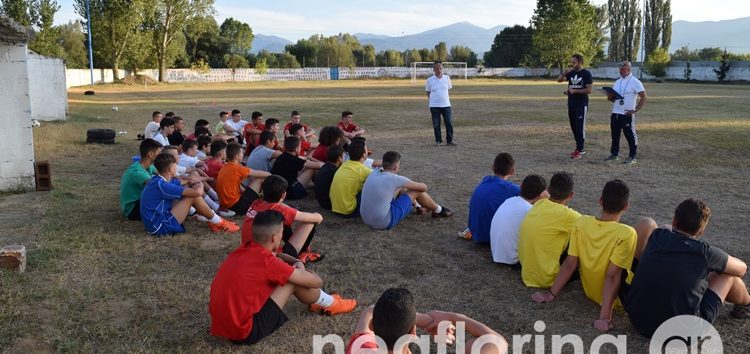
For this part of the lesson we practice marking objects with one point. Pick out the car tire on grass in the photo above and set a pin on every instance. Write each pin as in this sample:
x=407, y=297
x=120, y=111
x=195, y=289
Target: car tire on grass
x=100, y=134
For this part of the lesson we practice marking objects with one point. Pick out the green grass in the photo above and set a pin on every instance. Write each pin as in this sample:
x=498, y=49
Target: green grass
x=98, y=283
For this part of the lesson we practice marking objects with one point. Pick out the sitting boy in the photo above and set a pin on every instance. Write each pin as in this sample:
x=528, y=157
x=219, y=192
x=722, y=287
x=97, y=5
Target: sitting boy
x=297, y=119
x=347, y=183
x=235, y=126
x=233, y=195
x=272, y=125
x=204, y=147
x=680, y=274
x=253, y=285
x=201, y=127
x=177, y=136
x=299, y=226
x=603, y=248
x=166, y=128
x=135, y=178
x=394, y=316
x=165, y=204
x=297, y=171
x=387, y=198
x=544, y=233
x=350, y=129
x=252, y=132
x=214, y=163
x=491, y=192
x=219, y=127
x=329, y=136
x=188, y=157
x=305, y=145
x=324, y=177
x=263, y=154
x=153, y=126
x=507, y=220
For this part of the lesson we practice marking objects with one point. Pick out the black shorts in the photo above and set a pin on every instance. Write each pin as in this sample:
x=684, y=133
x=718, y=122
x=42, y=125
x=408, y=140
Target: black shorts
x=296, y=191
x=710, y=306
x=135, y=214
x=624, y=286
x=242, y=205
x=266, y=321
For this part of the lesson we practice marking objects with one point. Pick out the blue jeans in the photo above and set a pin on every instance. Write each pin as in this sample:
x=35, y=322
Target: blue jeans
x=447, y=118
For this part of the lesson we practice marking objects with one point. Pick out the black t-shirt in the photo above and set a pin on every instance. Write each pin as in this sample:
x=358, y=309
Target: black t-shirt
x=323, y=180
x=578, y=80
x=671, y=278
x=176, y=138
x=288, y=166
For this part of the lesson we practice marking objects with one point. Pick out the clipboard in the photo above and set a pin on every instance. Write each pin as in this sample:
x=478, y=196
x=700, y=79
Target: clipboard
x=610, y=91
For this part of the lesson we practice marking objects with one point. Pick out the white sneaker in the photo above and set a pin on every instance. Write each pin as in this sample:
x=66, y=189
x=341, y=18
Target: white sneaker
x=226, y=213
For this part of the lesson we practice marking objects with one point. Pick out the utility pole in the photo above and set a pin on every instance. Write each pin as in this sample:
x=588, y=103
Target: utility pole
x=91, y=50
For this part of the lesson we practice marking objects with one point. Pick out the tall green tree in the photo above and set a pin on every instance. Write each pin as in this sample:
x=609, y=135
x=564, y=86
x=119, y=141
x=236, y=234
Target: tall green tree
x=657, y=31
x=510, y=46
x=462, y=53
x=45, y=41
x=170, y=19
x=238, y=34
x=21, y=11
x=72, y=41
x=441, y=51
x=562, y=28
x=195, y=30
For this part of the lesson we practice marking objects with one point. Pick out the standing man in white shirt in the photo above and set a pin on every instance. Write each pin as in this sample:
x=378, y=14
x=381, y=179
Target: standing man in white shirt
x=623, y=112
x=437, y=94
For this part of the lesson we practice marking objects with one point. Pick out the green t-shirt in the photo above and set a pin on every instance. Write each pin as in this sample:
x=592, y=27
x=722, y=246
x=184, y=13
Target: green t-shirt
x=219, y=128
x=131, y=185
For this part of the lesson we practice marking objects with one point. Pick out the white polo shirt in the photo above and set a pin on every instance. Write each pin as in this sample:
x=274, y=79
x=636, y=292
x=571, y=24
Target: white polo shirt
x=627, y=87
x=438, y=89
x=238, y=126
x=161, y=139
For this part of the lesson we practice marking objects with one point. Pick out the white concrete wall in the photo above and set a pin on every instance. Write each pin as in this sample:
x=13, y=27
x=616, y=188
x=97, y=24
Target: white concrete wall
x=48, y=93
x=16, y=139
x=82, y=77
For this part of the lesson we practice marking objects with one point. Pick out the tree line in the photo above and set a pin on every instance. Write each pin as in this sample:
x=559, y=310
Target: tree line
x=137, y=34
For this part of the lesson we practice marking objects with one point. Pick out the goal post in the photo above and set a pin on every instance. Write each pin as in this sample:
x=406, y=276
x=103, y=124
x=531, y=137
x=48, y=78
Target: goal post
x=423, y=69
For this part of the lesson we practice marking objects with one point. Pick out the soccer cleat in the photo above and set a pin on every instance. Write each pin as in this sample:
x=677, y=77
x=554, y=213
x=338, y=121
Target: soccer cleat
x=224, y=226
x=629, y=161
x=612, y=158
x=576, y=155
x=443, y=213
x=573, y=153
x=465, y=235
x=226, y=213
x=311, y=257
x=740, y=311
x=339, y=306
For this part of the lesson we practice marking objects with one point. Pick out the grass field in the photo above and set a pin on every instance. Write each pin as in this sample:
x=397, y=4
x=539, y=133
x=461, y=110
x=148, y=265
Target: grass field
x=97, y=283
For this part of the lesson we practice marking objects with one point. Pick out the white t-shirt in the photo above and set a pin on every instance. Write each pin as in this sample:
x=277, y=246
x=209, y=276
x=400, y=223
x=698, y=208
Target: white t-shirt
x=627, y=87
x=438, y=89
x=151, y=129
x=161, y=139
x=187, y=161
x=504, y=229
x=238, y=126
x=200, y=155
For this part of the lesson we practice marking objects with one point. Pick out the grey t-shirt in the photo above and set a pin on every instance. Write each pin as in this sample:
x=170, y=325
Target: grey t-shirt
x=377, y=194
x=260, y=159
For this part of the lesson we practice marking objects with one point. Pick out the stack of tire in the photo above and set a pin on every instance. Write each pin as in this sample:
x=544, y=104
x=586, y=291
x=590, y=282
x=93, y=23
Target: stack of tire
x=100, y=136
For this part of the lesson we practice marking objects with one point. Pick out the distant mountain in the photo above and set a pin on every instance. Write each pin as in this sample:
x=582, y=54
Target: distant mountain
x=273, y=44
x=732, y=34
x=463, y=33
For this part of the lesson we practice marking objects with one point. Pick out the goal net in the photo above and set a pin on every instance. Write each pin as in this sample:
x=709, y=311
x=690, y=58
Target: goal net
x=423, y=70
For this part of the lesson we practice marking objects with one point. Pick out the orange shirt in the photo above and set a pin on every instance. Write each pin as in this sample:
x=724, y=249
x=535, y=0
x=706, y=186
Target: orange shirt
x=228, y=183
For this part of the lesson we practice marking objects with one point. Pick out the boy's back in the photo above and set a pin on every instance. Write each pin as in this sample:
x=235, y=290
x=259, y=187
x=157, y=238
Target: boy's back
x=491, y=192
x=156, y=205
x=543, y=237
x=323, y=180
x=596, y=243
x=288, y=166
x=260, y=158
x=260, y=205
x=228, y=183
x=347, y=183
x=132, y=183
x=377, y=194
x=671, y=279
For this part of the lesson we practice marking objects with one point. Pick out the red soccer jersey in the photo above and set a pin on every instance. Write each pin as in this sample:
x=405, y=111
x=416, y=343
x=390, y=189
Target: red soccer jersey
x=352, y=127
x=290, y=124
x=262, y=205
x=305, y=148
x=241, y=287
x=212, y=167
x=320, y=153
x=253, y=138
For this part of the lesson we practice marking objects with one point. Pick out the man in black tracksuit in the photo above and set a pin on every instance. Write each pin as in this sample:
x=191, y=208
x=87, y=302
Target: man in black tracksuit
x=579, y=86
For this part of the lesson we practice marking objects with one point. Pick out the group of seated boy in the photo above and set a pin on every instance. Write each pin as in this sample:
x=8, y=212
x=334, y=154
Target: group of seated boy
x=653, y=273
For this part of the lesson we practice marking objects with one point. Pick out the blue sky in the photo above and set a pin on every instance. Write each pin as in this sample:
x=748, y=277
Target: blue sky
x=295, y=19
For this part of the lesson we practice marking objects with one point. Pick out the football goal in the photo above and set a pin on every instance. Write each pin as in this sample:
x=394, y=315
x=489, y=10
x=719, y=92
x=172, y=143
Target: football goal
x=454, y=69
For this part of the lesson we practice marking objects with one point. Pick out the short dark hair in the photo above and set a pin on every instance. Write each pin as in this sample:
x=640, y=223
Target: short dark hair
x=188, y=144
x=171, y=147
x=203, y=141
x=166, y=122
x=200, y=131
x=235, y=112
x=294, y=113
x=295, y=128
x=357, y=149
x=560, y=186
x=334, y=153
x=169, y=115
x=233, y=149
x=578, y=57
x=346, y=113
x=163, y=161
x=503, y=164
x=691, y=216
x=149, y=145
x=201, y=123
x=265, y=224
x=256, y=115
x=394, y=315
x=291, y=143
x=270, y=122
x=223, y=113
x=329, y=135
x=177, y=119
x=273, y=187
x=615, y=196
x=532, y=186
x=265, y=137
x=390, y=159
x=156, y=113
x=217, y=146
